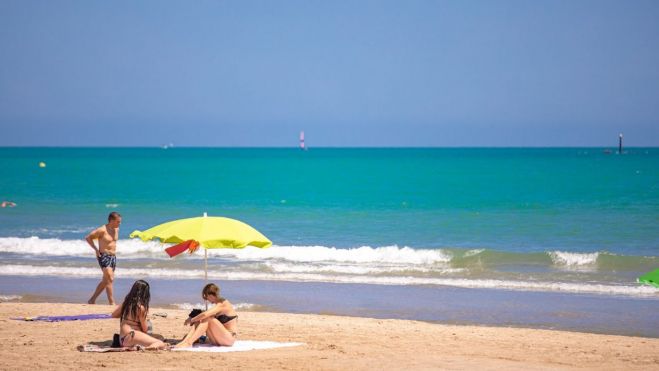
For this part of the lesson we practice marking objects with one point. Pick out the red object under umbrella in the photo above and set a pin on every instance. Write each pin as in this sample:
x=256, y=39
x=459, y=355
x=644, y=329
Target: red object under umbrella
x=190, y=245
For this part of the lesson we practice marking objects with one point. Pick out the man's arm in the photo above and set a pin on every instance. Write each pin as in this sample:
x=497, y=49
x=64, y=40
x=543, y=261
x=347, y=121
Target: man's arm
x=90, y=240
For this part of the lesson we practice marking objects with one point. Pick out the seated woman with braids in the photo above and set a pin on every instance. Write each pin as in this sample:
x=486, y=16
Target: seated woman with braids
x=133, y=324
x=220, y=323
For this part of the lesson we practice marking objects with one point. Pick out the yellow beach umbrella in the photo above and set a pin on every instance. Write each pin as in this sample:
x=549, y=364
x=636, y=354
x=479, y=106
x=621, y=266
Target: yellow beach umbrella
x=209, y=232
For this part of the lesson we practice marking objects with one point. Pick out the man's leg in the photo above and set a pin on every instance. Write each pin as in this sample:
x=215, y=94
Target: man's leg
x=99, y=289
x=108, y=276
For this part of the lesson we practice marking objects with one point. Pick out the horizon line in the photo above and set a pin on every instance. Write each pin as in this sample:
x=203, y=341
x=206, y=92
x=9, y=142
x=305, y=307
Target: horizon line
x=326, y=147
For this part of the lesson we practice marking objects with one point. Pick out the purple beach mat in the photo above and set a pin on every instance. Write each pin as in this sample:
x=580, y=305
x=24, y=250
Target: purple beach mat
x=80, y=317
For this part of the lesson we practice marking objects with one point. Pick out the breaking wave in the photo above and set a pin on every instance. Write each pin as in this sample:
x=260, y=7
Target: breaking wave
x=573, y=259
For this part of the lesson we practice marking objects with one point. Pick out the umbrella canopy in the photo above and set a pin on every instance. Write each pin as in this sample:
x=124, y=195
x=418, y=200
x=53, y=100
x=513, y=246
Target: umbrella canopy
x=210, y=232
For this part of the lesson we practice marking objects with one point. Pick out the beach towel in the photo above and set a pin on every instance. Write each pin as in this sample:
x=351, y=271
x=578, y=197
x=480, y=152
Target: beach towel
x=101, y=349
x=238, y=346
x=80, y=317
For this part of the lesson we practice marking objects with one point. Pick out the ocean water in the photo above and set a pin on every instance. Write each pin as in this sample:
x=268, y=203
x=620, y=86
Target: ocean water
x=517, y=222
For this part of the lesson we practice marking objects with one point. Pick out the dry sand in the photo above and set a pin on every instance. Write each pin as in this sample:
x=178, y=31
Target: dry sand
x=331, y=343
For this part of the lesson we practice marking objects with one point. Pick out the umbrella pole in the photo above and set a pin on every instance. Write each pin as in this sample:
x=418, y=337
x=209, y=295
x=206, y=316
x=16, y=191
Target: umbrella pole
x=206, y=272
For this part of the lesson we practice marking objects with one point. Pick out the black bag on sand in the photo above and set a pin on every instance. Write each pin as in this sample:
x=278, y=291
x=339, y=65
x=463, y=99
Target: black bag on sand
x=115, y=341
x=195, y=313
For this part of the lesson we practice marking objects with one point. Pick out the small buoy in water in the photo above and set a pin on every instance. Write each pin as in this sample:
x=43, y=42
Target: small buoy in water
x=42, y=164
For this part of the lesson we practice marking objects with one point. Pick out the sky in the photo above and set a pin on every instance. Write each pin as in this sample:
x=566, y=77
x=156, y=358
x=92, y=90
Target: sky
x=348, y=73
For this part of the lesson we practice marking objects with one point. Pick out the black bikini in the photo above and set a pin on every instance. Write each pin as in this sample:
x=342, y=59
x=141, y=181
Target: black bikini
x=223, y=318
x=122, y=340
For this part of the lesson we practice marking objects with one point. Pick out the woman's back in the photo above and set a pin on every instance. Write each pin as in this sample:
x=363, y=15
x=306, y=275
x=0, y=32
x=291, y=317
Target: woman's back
x=129, y=322
x=132, y=318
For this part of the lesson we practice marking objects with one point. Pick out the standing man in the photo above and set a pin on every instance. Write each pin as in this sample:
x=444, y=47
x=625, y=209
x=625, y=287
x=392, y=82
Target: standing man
x=106, y=254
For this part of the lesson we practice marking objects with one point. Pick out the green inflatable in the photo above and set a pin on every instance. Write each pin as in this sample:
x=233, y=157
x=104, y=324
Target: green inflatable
x=651, y=278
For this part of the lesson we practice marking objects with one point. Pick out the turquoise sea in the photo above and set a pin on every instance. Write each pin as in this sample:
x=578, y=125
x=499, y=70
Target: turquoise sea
x=509, y=224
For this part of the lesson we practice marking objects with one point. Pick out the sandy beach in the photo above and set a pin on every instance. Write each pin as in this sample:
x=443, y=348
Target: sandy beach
x=331, y=343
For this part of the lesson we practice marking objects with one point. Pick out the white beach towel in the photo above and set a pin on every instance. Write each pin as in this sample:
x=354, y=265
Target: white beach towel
x=238, y=346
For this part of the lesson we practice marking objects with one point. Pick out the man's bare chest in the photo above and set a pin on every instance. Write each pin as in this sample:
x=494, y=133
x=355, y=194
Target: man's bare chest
x=109, y=238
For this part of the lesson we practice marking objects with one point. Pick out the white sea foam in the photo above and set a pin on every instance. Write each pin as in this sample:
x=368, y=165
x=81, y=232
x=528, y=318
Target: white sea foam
x=356, y=269
x=50, y=270
x=58, y=231
x=137, y=248
x=631, y=290
x=364, y=254
x=189, y=306
x=76, y=248
x=5, y=298
x=244, y=306
x=473, y=252
x=573, y=259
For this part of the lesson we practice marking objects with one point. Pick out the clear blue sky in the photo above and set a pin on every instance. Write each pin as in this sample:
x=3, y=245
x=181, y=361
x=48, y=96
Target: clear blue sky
x=348, y=73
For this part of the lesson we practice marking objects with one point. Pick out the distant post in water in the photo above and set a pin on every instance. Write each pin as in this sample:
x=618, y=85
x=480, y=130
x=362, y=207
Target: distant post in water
x=620, y=143
x=302, y=147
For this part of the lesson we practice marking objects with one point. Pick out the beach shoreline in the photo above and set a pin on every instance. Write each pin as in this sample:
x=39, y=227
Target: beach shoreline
x=330, y=343
x=602, y=314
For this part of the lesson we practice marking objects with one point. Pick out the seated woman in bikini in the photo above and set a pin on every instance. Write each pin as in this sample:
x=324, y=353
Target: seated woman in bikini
x=133, y=324
x=220, y=323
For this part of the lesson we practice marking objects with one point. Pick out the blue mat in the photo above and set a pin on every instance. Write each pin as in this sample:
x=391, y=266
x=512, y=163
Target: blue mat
x=80, y=317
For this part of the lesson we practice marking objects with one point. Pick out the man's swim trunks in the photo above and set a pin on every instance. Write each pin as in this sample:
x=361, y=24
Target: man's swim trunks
x=107, y=260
